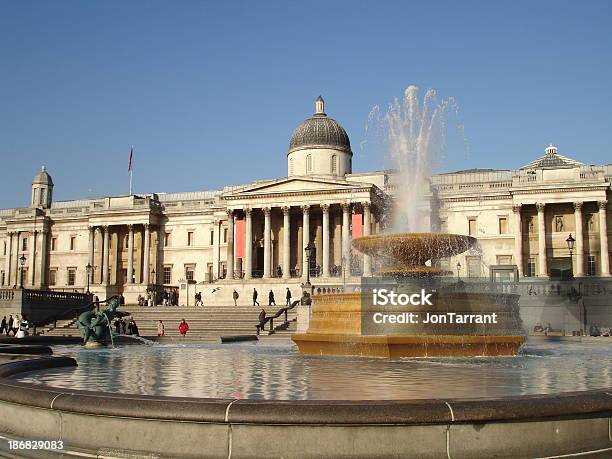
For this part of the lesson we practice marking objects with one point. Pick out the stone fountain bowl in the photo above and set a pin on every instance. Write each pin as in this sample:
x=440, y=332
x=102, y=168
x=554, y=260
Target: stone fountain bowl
x=412, y=250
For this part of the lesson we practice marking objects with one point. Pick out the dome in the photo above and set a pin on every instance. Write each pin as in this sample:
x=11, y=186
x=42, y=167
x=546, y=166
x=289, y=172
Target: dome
x=320, y=131
x=42, y=178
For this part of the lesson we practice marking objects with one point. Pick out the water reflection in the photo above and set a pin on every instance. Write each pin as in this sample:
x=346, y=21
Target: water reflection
x=278, y=372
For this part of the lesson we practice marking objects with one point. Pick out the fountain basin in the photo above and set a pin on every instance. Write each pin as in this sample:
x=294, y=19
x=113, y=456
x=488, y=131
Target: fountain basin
x=336, y=328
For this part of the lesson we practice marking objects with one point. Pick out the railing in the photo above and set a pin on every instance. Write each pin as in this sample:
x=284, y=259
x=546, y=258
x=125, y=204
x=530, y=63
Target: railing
x=73, y=313
x=270, y=319
x=7, y=294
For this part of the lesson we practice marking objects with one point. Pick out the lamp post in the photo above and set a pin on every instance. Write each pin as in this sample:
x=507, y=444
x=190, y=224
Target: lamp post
x=308, y=251
x=458, y=270
x=570, y=246
x=89, y=269
x=22, y=261
x=153, y=276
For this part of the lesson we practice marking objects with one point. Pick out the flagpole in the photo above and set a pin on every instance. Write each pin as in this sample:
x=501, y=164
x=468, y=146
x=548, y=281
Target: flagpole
x=130, y=167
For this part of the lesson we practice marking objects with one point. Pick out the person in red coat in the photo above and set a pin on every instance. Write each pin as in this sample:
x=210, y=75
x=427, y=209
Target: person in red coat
x=183, y=327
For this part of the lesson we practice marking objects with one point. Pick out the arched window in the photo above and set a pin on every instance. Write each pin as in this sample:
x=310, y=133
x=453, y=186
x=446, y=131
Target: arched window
x=309, y=163
x=334, y=164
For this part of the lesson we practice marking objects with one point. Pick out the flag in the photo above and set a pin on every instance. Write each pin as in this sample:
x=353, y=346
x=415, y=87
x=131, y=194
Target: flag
x=130, y=161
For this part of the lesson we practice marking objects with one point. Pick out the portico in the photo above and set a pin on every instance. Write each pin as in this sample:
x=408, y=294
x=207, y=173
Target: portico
x=281, y=220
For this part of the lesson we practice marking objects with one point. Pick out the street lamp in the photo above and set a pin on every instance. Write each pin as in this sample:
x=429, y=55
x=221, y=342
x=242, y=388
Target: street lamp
x=570, y=246
x=89, y=269
x=153, y=276
x=22, y=260
x=458, y=270
x=308, y=251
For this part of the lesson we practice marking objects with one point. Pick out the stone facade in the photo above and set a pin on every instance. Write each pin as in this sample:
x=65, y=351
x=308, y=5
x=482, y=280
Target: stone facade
x=256, y=233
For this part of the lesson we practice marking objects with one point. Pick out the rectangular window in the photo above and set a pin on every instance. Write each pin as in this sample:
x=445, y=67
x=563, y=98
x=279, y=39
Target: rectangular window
x=24, y=244
x=212, y=237
x=71, y=276
x=189, y=237
x=167, y=274
x=225, y=235
x=53, y=243
x=72, y=243
x=472, y=228
x=591, y=266
x=189, y=273
x=52, y=277
x=3, y=278
x=531, y=267
x=473, y=266
x=127, y=241
x=4, y=249
x=166, y=239
x=503, y=225
x=504, y=259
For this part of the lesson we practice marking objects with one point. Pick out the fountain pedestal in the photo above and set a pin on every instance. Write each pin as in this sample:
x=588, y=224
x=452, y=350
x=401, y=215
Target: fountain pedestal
x=342, y=324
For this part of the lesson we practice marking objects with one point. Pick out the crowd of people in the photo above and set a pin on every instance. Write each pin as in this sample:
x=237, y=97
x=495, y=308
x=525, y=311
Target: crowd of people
x=169, y=297
x=129, y=327
x=15, y=325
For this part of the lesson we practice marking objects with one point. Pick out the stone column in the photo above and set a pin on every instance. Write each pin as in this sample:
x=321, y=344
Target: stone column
x=216, y=248
x=91, y=246
x=16, y=264
x=367, y=225
x=267, y=242
x=305, y=237
x=230, y=243
x=346, y=242
x=518, y=239
x=325, y=208
x=146, y=269
x=603, y=238
x=542, y=268
x=32, y=260
x=44, y=245
x=579, y=240
x=286, y=242
x=130, y=254
x=98, y=276
x=105, y=254
x=7, y=261
x=248, y=244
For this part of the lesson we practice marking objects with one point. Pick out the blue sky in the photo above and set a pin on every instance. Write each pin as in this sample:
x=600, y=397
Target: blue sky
x=209, y=92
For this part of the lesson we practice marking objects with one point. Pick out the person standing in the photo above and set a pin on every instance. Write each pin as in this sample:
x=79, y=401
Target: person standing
x=161, y=329
x=271, y=300
x=9, y=327
x=183, y=327
x=255, y=302
x=3, y=326
x=288, y=297
x=262, y=319
x=235, y=297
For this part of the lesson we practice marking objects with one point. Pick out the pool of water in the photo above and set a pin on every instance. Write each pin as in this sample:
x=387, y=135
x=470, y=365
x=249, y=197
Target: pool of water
x=254, y=371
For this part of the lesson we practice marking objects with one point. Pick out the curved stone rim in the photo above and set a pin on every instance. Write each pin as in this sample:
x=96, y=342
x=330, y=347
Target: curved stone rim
x=330, y=412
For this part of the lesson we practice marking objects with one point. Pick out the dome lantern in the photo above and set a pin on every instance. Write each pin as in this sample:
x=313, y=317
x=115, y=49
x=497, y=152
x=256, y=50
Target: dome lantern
x=42, y=189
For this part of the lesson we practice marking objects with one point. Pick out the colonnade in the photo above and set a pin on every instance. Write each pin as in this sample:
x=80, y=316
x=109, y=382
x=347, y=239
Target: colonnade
x=579, y=236
x=35, y=257
x=305, y=210
x=105, y=231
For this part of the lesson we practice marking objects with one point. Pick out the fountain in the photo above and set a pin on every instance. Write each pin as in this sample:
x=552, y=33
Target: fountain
x=346, y=324
x=95, y=327
x=456, y=323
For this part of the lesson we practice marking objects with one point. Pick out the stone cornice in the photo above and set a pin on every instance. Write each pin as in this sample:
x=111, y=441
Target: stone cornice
x=284, y=194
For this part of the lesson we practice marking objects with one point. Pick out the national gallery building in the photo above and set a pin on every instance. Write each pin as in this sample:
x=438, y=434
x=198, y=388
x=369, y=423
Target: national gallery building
x=255, y=234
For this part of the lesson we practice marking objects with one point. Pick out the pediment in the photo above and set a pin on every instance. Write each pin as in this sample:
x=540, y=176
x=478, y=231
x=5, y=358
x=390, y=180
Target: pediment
x=297, y=185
